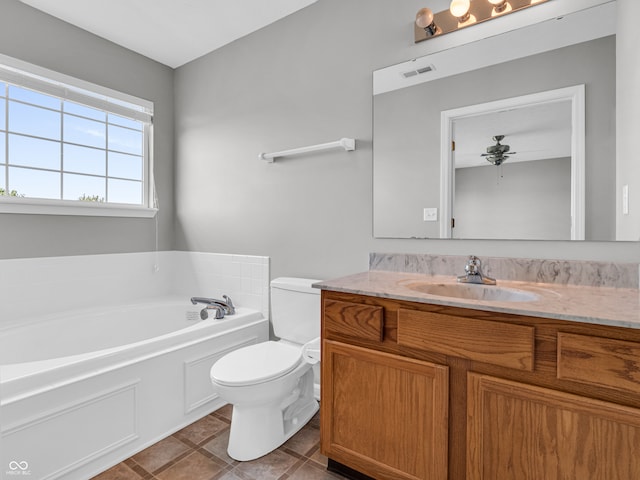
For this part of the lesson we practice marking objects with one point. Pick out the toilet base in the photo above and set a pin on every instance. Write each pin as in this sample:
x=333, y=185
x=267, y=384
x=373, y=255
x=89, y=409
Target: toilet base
x=259, y=429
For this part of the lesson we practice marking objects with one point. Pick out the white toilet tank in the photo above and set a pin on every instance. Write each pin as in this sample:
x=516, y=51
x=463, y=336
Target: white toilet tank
x=295, y=309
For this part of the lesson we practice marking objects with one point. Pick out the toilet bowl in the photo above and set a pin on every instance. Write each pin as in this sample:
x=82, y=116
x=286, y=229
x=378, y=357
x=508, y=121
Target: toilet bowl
x=271, y=384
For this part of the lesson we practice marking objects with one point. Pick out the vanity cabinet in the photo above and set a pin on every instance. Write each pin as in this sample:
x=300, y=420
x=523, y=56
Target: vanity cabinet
x=388, y=416
x=419, y=391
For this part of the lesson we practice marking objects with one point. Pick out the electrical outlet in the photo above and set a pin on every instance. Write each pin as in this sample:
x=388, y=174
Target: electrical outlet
x=430, y=214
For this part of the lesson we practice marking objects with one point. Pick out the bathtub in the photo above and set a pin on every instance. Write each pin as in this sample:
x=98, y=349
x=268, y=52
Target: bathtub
x=83, y=390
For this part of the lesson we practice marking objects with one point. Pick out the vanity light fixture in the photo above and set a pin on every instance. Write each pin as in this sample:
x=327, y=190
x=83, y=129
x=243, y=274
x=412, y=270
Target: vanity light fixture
x=464, y=13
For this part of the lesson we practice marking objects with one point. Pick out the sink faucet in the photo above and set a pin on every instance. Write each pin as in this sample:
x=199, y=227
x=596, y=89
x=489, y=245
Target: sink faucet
x=226, y=304
x=474, y=273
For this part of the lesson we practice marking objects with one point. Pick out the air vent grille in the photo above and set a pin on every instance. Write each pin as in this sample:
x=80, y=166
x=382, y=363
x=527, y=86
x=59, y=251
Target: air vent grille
x=418, y=71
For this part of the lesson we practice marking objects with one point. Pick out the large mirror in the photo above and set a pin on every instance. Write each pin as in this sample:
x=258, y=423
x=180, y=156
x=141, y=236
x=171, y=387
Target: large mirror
x=556, y=181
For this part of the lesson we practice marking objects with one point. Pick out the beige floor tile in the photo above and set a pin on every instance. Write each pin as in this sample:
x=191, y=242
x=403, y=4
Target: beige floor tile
x=303, y=441
x=315, y=421
x=193, y=467
x=218, y=446
x=225, y=411
x=310, y=471
x=161, y=453
x=204, y=428
x=119, y=472
x=269, y=467
x=230, y=476
x=319, y=458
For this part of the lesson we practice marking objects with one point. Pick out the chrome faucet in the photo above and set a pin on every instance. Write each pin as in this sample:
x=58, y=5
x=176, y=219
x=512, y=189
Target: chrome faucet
x=474, y=273
x=227, y=305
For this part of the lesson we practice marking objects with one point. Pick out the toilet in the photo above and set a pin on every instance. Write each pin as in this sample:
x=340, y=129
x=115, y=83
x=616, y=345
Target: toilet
x=271, y=384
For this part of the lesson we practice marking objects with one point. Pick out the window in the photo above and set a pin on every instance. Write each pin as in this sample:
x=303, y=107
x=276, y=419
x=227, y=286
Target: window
x=70, y=147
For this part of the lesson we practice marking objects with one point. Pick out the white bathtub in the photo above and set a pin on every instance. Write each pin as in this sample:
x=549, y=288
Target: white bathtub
x=84, y=390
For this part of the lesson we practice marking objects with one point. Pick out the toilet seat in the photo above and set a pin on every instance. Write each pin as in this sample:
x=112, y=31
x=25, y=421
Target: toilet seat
x=256, y=364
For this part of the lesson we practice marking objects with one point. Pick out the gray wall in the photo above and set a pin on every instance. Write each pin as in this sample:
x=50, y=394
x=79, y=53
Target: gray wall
x=407, y=133
x=628, y=98
x=300, y=81
x=31, y=36
x=305, y=80
x=529, y=200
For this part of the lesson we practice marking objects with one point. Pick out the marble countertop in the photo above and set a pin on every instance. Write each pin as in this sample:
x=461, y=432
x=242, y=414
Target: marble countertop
x=618, y=307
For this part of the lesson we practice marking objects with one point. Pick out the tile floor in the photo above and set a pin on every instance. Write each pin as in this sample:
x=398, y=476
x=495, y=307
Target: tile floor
x=199, y=452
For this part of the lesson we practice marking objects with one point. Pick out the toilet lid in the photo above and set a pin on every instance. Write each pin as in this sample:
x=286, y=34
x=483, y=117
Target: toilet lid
x=256, y=364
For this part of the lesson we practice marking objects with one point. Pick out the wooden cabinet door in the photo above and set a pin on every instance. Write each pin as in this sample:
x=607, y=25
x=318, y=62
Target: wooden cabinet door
x=522, y=432
x=384, y=415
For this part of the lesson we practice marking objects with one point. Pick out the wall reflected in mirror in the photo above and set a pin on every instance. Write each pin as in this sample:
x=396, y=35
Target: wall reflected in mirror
x=528, y=196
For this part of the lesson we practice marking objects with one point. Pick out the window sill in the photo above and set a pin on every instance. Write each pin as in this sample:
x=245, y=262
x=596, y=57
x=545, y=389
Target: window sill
x=36, y=206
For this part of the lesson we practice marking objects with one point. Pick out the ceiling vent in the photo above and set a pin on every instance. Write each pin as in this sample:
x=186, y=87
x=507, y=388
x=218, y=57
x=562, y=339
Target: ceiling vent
x=418, y=71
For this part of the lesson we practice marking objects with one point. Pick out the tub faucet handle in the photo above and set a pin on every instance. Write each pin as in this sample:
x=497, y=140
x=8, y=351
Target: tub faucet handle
x=231, y=309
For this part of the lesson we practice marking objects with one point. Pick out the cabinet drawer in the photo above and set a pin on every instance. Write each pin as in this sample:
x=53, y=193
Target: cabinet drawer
x=486, y=341
x=599, y=361
x=353, y=320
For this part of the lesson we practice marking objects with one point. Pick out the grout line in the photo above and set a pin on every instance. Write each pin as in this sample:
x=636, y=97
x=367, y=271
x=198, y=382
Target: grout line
x=217, y=460
x=294, y=468
x=171, y=463
x=138, y=469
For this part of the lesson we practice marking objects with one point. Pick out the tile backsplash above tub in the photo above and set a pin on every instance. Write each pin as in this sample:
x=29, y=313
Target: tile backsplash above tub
x=244, y=278
x=37, y=286
x=566, y=272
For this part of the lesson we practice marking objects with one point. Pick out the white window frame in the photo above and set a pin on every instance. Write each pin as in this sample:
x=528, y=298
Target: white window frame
x=24, y=74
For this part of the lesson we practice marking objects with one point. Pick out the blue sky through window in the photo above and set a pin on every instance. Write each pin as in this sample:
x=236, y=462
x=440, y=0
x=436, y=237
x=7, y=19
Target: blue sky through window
x=59, y=149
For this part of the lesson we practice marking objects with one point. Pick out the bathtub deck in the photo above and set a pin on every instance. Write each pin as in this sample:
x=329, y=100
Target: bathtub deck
x=198, y=452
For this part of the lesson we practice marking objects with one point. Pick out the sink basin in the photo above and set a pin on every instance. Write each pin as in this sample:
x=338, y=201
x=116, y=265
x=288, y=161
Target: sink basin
x=470, y=291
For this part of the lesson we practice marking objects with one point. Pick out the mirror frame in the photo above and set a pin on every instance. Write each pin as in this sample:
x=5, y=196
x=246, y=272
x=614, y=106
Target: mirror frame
x=574, y=94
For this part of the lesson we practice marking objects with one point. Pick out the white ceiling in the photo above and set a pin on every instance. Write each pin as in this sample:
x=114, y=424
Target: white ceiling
x=169, y=31
x=536, y=132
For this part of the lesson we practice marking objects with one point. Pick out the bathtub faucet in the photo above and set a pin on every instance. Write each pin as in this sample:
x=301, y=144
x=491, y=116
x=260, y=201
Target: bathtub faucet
x=226, y=304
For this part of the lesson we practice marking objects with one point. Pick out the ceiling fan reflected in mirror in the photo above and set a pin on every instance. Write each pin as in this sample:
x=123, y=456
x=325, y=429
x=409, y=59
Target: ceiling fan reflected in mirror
x=497, y=154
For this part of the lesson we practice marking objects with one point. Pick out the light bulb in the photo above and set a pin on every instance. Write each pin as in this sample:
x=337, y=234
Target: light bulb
x=424, y=20
x=460, y=9
x=424, y=17
x=499, y=5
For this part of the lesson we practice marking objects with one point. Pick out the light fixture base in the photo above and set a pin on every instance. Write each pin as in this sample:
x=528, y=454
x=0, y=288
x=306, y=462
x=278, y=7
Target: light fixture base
x=481, y=11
